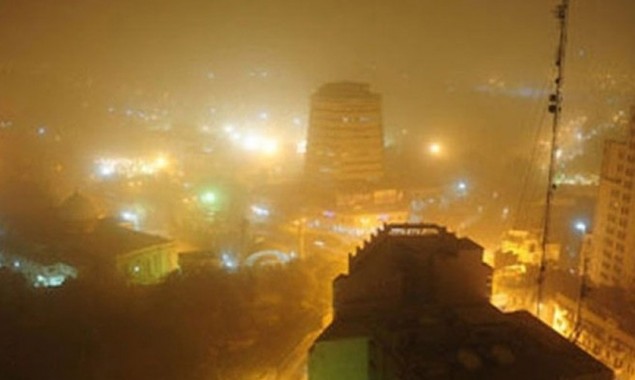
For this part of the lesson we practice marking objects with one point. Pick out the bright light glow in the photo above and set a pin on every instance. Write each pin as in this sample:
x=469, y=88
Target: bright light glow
x=270, y=146
x=131, y=217
x=228, y=262
x=208, y=197
x=435, y=149
x=301, y=147
x=260, y=211
x=255, y=143
x=235, y=136
x=130, y=167
x=561, y=321
x=56, y=280
x=161, y=162
x=461, y=186
x=251, y=142
x=228, y=128
x=580, y=227
x=49, y=281
x=106, y=170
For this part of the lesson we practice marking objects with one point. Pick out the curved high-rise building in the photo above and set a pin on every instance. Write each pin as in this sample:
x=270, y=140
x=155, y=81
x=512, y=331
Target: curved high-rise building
x=345, y=137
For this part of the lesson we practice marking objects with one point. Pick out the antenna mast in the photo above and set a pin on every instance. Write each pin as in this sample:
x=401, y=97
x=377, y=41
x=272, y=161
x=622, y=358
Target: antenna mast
x=555, y=108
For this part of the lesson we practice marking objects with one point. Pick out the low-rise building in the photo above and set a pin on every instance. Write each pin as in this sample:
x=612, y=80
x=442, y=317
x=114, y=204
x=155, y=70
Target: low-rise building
x=77, y=242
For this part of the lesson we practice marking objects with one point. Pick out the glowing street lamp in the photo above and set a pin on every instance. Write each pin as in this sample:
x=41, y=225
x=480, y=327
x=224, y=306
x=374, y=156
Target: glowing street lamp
x=161, y=162
x=435, y=149
x=580, y=227
x=208, y=197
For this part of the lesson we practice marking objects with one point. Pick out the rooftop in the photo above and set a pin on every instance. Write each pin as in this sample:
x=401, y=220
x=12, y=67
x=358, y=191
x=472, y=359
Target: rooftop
x=475, y=341
x=345, y=89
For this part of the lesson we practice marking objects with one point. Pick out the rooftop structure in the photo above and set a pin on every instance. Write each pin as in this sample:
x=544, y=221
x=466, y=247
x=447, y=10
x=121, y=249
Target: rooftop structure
x=414, y=305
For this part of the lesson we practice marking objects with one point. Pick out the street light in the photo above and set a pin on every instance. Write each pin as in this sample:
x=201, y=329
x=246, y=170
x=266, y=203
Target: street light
x=435, y=148
x=580, y=227
x=208, y=197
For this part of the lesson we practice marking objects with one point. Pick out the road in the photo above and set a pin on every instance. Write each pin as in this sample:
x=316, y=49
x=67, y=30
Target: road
x=294, y=365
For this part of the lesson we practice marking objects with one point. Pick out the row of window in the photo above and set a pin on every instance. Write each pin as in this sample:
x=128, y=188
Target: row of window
x=610, y=231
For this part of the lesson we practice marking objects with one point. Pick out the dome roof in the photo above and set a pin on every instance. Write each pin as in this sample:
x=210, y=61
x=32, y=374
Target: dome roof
x=78, y=208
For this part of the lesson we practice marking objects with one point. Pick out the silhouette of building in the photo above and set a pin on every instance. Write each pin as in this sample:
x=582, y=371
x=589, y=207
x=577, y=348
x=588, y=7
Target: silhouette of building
x=612, y=262
x=414, y=305
x=78, y=242
x=345, y=137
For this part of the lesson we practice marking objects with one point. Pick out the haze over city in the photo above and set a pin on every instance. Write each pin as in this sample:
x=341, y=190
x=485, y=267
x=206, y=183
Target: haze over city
x=221, y=159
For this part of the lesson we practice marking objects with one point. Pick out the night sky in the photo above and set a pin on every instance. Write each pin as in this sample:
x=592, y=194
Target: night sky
x=450, y=70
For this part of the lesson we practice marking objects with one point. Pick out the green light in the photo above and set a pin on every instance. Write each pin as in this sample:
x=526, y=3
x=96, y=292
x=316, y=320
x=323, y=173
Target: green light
x=208, y=197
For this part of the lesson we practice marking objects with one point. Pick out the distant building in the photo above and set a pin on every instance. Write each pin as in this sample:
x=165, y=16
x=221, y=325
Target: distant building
x=77, y=242
x=527, y=247
x=345, y=138
x=414, y=305
x=604, y=327
x=612, y=262
x=362, y=210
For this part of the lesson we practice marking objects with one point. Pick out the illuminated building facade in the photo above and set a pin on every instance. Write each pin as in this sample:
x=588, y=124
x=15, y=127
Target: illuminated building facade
x=608, y=336
x=414, y=305
x=345, y=139
x=612, y=262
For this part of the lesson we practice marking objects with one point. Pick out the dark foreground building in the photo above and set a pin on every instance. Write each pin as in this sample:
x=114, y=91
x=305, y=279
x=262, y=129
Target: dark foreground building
x=414, y=305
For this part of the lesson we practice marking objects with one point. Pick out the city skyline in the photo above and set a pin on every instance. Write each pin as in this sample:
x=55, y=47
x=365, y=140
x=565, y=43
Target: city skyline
x=182, y=182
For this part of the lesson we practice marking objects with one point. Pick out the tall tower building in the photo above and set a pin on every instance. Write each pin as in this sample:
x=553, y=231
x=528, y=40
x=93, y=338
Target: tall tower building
x=345, y=137
x=612, y=262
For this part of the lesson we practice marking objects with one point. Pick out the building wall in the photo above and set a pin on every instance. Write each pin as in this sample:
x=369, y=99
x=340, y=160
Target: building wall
x=388, y=272
x=342, y=359
x=598, y=335
x=612, y=262
x=148, y=265
x=345, y=137
x=375, y=287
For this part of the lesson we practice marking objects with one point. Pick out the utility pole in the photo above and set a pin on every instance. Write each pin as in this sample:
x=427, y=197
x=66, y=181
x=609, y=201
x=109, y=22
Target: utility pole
x=555, y=108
